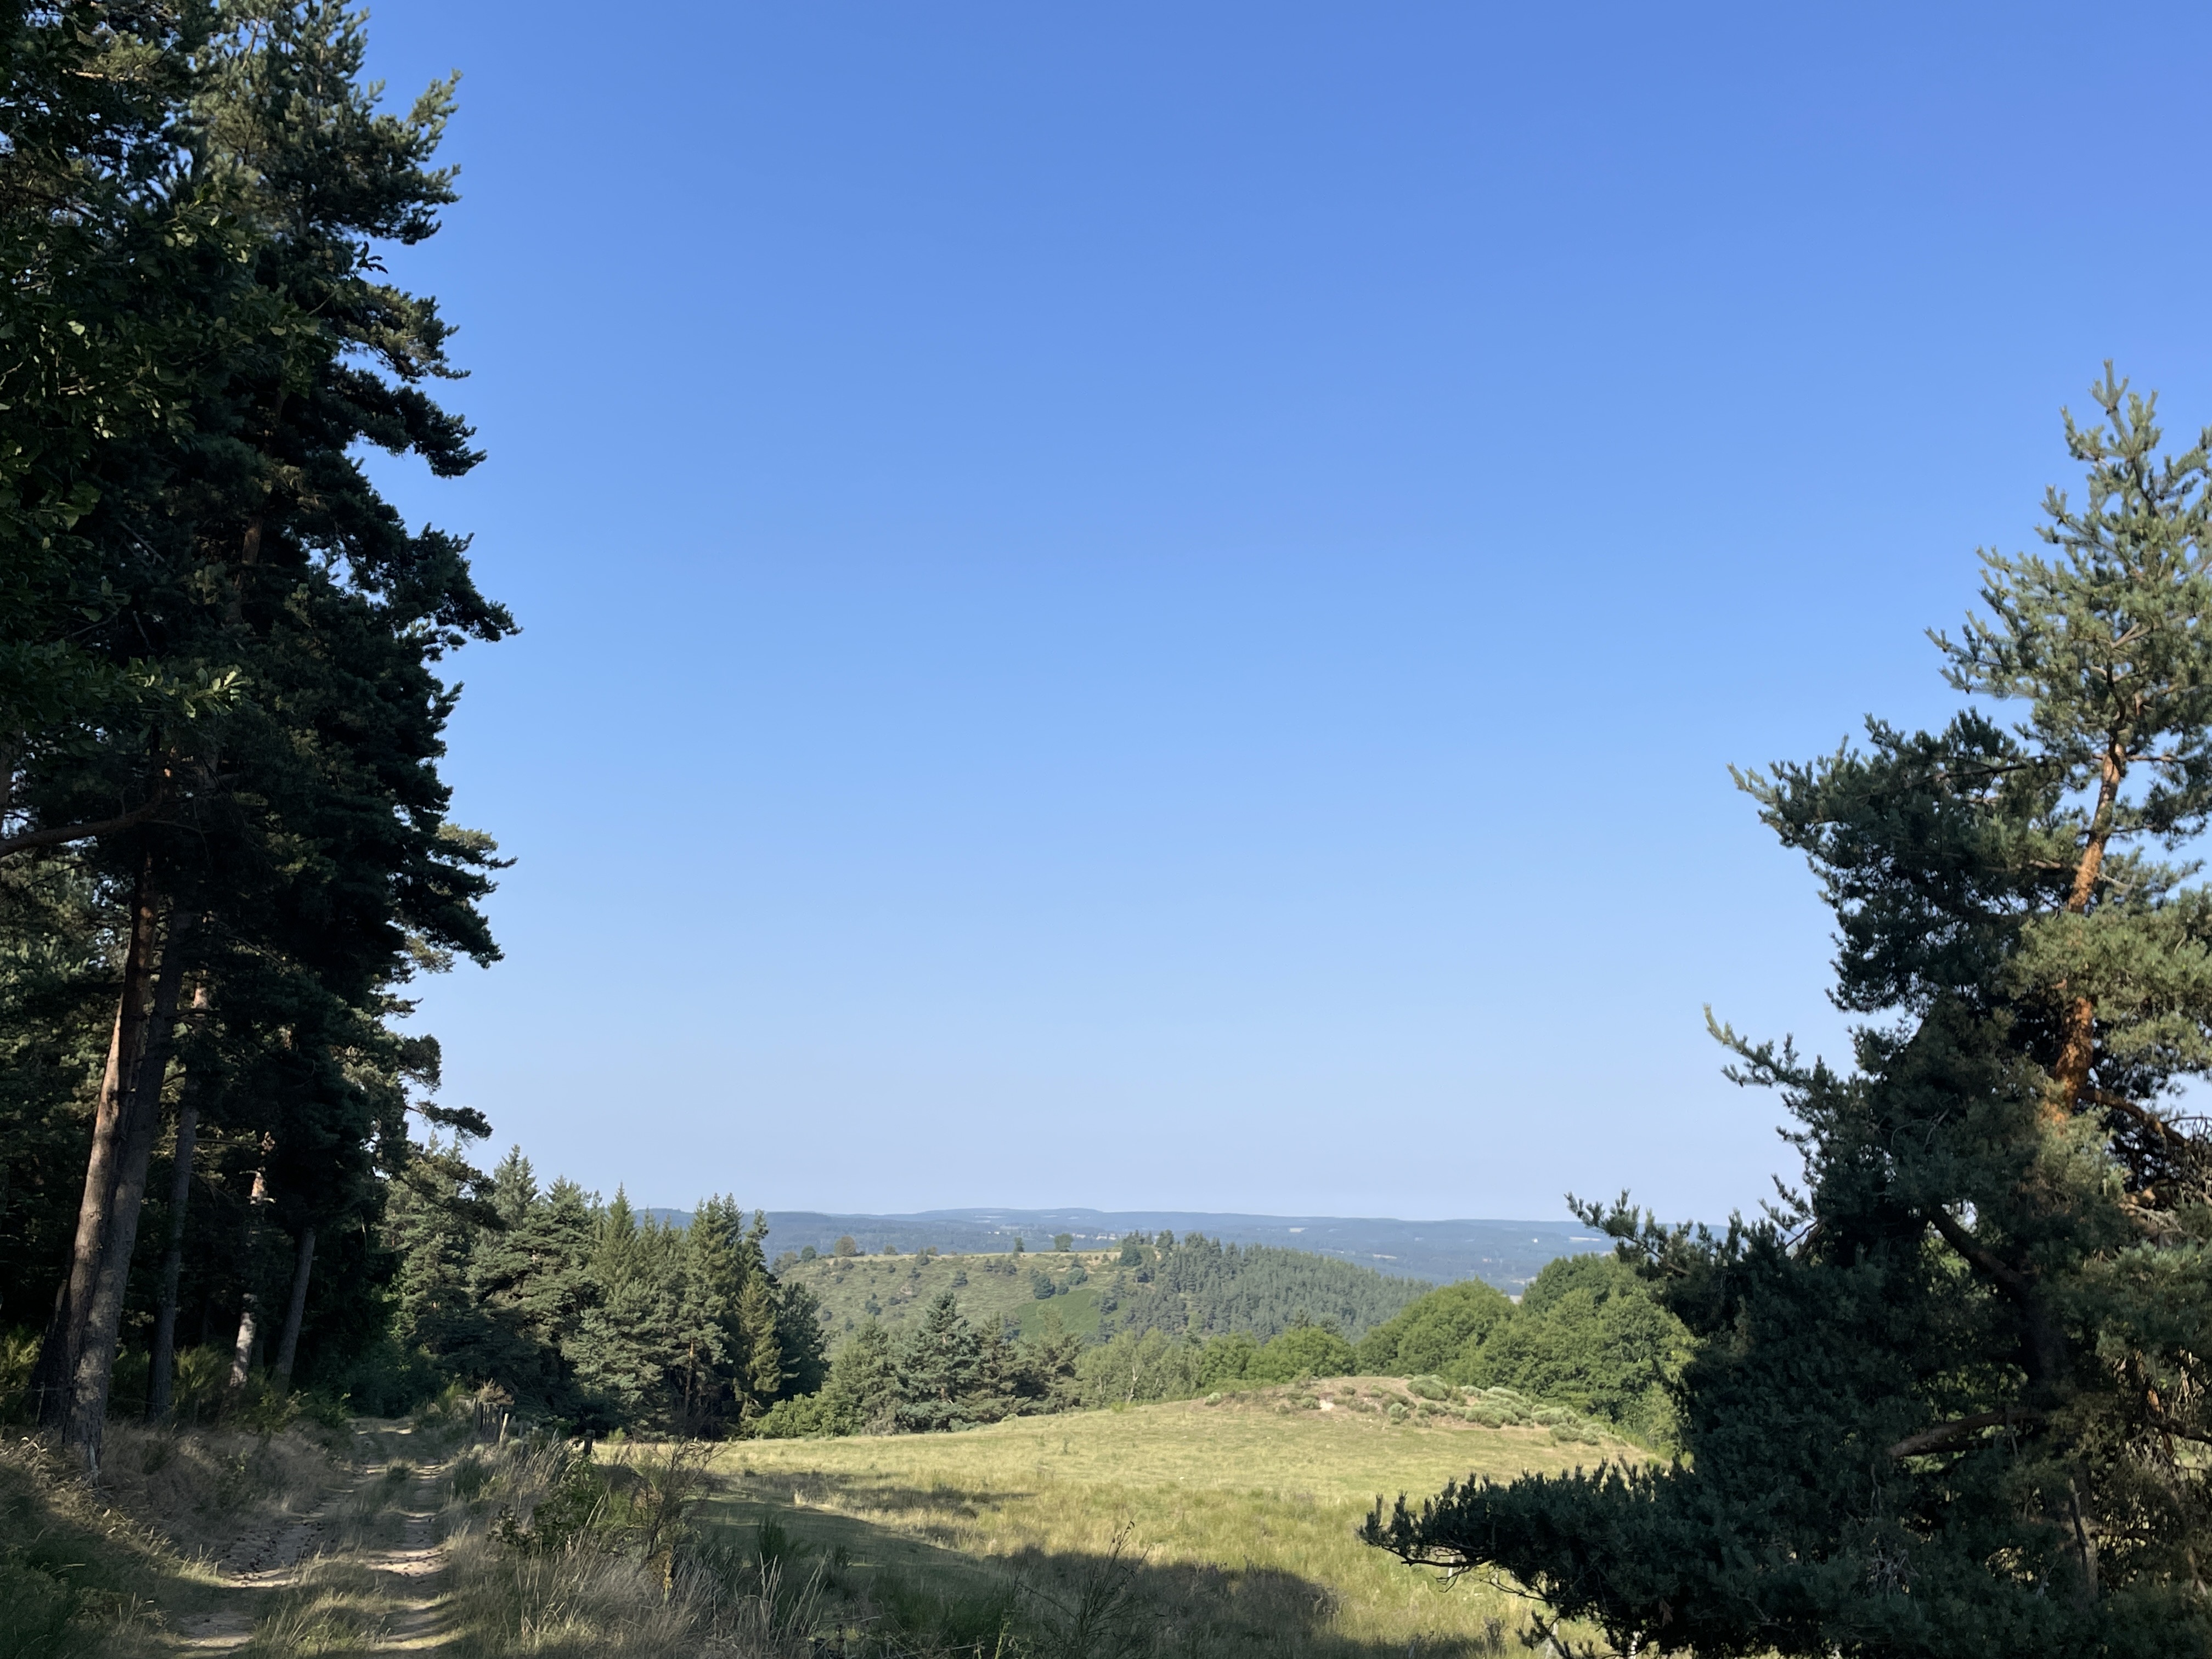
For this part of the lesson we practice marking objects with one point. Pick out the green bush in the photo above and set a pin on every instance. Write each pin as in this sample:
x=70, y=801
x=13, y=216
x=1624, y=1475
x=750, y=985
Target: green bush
x=1589, y=1336
x=471, y=1475
x=577, y=1504
x=1437, y=1334
x=804, y=1416
x=1302, y=1350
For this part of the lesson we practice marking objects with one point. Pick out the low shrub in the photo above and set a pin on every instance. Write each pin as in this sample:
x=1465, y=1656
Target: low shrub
x=471, y=1475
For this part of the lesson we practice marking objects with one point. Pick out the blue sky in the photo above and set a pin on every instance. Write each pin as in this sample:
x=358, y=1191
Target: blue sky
x=1148, y=606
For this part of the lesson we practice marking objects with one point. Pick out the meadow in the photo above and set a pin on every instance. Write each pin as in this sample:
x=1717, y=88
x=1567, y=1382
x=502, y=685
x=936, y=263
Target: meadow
x=1194, y=1527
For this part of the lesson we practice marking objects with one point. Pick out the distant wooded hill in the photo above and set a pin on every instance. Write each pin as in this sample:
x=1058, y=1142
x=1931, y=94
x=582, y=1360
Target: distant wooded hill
x=1506, y=1253
x=1190, y=1285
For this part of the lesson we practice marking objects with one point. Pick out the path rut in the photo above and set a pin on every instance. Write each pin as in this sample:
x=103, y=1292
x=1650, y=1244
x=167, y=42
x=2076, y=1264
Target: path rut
x=268, y=1559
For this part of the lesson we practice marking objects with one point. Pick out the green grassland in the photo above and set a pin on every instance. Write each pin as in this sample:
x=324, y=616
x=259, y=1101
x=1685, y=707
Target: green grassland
x=1235, y=1519
x=901, y=1286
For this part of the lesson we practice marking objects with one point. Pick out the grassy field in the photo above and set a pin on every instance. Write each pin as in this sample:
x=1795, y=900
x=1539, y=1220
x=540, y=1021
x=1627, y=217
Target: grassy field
x=900, y=1288
x=1157, y=1532
x=1235, y=1521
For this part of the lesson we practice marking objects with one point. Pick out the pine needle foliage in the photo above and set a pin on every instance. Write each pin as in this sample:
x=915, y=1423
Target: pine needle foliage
x=1950, y=1398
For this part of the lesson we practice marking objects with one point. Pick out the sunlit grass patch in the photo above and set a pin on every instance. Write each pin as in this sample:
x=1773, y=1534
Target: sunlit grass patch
x=1233, y=1522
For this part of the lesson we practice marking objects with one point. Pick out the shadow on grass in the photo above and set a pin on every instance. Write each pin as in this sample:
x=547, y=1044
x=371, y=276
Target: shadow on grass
x=71, y=1576
x=899, y=1591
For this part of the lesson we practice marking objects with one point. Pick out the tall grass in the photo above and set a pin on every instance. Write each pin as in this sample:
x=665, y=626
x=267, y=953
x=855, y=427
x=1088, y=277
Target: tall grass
x=79, y=1573
x=1158, y=1533
x=1227, y=1526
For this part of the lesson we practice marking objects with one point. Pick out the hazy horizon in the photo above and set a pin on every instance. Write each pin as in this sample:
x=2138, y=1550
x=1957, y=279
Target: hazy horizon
x=1157, y=602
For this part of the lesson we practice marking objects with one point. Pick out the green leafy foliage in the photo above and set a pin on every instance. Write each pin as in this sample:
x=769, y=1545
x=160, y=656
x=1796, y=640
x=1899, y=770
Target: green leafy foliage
x=1442, y=1331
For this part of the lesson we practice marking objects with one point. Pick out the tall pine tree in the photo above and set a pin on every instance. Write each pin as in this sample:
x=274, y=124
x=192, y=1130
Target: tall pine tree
x=1953, y=1399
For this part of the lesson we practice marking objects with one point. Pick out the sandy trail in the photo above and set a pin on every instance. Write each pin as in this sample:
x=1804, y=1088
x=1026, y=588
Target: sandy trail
x=413, y=1573
x=267, y=1559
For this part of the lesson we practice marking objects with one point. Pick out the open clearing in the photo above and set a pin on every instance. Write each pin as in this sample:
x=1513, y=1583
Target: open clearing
x=1154, y=1532
x=1239, y=1516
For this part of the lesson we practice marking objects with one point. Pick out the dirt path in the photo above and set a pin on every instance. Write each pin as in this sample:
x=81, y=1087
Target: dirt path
x=266, y=1561
x=412, y=1574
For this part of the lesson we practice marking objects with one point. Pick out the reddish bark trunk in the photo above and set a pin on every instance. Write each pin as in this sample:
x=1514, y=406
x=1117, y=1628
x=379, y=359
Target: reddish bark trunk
x=140, y=1124
x=2078, y=1025
x=53, y=1381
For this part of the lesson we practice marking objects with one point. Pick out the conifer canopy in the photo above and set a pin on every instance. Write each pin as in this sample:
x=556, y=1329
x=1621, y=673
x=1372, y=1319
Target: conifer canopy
x=1950, y=1398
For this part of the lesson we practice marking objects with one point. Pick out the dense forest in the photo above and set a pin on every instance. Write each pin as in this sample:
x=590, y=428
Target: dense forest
x=1200, y=1285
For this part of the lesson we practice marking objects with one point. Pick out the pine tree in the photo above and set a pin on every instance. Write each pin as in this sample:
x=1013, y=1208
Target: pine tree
x=863, y=1388
x=1953, y=1398
x=940, y=1370
x=242, y=748
x=629, y=1351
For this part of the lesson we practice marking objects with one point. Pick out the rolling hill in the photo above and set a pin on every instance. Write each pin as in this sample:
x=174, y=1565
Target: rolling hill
x=1507, y=1254
x=1198, y=1284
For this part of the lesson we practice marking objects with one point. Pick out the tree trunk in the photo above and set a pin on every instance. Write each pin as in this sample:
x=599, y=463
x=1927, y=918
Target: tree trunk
x=249, y=1307
x=242, y=1352
x=2085, y=1541
x=142, y=1120
x=2078, y=1026
x=161, y=1377
x=52, y=1379
x=289, y=1348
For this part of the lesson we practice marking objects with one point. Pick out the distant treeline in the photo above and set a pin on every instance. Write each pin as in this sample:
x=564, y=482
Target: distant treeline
x=596, y=1316
x=1588, y=1333
x=1197, y=1285
x=589, y=1313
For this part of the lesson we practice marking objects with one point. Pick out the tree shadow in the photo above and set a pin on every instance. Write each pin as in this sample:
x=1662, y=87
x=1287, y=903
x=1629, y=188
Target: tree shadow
x=905, y=1590
x=69, y=1576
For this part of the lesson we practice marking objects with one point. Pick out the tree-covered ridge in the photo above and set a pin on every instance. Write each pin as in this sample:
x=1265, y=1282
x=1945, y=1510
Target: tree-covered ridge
x=1200, y=1286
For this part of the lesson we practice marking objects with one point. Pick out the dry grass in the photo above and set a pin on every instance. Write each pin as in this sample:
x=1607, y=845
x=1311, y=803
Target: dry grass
x=337, y=1606
x=1220, y=1527
x=200, y=1486
x=591, y=1596
x=78, y=1574
x=1160, y=1531
x=579, y=1602
x=108, y=1568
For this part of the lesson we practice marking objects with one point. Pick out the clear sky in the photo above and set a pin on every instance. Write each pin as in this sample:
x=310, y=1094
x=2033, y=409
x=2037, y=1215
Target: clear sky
x=1148, y=605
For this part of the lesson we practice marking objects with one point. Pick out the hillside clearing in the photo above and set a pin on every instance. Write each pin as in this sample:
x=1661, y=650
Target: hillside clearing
x=1237, y=1518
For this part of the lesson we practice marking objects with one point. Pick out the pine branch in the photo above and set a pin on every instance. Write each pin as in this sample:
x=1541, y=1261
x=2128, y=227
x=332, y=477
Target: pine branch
x=1945, y=1437
x=61, y=833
